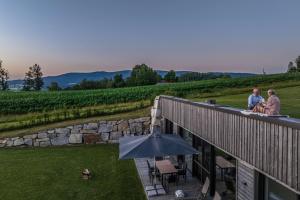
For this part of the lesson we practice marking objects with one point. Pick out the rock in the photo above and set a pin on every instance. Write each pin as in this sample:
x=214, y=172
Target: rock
x=61, y=140
x=126, y=132
x=51, y=131
x=123, y=125
x=146, y=123
x=115, y=135
x=85, y=131
x=92, y=126
x=91, y=138
x=36, y=144
x=105, y=128
x=42, y=135
x=9, y=143
x=3, y=143
x=113, y=141
x=75, y=131
x=28, y=141
x=143, y=119
x=33, y=136
x=136, y=128
x=75, y=138
x=62, y=131
x=18, y=142
x=105, y=137
x=42, y=140
x=115, y=128
x=45, y=144
x=51, y=135
x=139, y=129
x=112, y=123
x=79, y=126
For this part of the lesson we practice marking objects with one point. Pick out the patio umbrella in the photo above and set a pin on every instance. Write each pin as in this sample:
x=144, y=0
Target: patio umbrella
x=154, y=145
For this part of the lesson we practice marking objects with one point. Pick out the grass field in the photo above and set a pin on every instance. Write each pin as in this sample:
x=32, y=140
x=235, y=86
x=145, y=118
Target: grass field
x=289, y=97
x=55, y=174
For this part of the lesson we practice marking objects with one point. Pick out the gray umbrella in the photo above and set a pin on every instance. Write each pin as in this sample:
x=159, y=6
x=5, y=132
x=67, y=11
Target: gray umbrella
x=154, y=145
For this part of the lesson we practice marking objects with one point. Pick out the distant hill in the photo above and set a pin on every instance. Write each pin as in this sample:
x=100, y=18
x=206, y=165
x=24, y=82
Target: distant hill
x=72, y=78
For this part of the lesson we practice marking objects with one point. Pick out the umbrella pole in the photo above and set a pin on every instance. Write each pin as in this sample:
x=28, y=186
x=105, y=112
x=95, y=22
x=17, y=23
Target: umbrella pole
x=154, y=173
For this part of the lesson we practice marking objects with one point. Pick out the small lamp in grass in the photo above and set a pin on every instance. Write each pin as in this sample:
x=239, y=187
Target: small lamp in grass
x=86, y=174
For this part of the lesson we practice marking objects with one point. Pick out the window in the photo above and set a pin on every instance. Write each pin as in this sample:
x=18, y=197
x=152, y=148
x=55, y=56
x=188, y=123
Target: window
x=275, y=191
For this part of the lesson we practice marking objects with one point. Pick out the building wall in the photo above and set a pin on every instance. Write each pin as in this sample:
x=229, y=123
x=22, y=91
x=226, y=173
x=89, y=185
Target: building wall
x=245, y=182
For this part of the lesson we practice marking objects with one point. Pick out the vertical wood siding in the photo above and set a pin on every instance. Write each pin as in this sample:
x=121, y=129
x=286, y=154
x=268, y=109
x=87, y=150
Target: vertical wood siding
x=271, y=147
x=245, y=182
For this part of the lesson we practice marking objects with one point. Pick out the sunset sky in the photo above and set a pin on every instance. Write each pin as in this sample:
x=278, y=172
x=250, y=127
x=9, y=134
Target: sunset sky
x=199, y=35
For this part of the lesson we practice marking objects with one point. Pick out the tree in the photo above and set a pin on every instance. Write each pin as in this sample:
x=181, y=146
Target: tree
x=171, y=76
x=33, y=78
x=142, y=75
x=291, y=67
x=3, y=77
x=298, y=63
x=54, y=86
x=118, y=81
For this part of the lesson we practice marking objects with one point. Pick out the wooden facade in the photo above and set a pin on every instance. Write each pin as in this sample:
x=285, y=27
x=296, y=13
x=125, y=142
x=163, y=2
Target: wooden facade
x=270, y=145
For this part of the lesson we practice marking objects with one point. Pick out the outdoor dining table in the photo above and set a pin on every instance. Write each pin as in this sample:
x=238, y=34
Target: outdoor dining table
x=165, y=167
x=223, y=164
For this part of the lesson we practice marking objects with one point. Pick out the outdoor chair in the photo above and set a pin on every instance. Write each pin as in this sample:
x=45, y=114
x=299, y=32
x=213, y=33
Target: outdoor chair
x=151, y=173
x=182, y=171
x=172, y=178
x=202, y=195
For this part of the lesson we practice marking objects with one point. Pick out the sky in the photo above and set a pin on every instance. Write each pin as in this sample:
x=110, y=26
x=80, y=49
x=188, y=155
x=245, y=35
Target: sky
x=199, y=35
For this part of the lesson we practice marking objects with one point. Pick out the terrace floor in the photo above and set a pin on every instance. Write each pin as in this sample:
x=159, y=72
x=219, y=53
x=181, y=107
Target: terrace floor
x=192, y=185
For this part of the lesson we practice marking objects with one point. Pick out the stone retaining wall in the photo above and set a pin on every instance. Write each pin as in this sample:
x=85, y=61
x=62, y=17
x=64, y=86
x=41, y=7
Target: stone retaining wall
x=91, y=133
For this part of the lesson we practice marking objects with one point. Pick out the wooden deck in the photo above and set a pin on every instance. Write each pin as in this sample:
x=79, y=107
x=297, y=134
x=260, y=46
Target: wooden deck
x=192, y=185
x=269, y=144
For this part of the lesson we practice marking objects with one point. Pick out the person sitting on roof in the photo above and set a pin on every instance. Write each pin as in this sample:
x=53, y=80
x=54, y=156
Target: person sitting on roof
x=272, y=107
x=255, y=99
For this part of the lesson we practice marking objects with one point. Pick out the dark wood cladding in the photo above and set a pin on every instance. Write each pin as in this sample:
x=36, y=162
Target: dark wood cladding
x=271, y=145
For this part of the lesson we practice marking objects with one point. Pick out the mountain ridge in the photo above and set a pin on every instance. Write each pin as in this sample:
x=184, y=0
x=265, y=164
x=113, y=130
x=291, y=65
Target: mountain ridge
x=72, y=78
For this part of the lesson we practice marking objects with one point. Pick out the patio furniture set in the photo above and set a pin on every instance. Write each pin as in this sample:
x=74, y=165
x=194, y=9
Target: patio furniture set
x=167, y=172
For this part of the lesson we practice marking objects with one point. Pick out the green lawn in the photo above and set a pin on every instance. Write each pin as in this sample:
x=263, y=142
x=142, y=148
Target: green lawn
x=289, y=96
x=55, y=174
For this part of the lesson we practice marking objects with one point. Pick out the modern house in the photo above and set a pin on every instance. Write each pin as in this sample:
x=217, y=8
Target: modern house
x=247, y=157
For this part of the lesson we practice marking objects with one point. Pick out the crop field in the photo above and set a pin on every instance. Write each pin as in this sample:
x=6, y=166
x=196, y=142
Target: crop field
x=27, y=102
x=22, y=110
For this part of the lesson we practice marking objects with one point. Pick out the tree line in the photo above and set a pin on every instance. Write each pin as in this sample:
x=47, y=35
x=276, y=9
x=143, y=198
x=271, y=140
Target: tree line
x=143, y=75
x=140, y=75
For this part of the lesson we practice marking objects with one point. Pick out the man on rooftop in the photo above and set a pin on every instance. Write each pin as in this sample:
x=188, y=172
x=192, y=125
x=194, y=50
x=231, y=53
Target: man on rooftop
x=255, y=98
